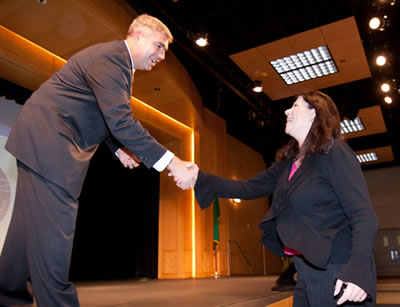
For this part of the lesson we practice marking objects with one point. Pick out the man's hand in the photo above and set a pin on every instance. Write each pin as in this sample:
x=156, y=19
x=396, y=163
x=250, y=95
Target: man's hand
x=127, y=158
x=352, y=292
x=184, y=173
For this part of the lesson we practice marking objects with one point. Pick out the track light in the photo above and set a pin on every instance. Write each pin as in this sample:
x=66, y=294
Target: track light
x=378, y=23
x=385, y=87
x=251, y=114
x=201, y=40
x=388, y=100
x=257, y=87
x=380, y=60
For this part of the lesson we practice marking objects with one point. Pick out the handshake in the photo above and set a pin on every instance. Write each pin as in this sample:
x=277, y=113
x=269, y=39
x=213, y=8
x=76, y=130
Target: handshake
x=184, y=173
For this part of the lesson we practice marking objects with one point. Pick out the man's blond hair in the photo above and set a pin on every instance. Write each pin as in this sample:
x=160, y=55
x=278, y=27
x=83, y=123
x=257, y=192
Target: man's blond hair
x=146, y=22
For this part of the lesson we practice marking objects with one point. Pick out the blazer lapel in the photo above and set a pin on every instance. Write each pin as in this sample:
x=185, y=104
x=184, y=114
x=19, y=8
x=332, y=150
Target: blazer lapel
x=286, y=187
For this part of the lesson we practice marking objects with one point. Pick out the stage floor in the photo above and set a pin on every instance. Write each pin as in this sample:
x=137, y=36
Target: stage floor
x=202, y=292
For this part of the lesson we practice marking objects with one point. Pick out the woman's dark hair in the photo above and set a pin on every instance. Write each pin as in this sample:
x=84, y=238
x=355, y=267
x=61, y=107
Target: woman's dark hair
x=324, y=130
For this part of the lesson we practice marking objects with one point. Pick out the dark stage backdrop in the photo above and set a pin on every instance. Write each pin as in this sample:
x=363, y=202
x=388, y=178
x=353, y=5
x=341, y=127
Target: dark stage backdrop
x=117, y=227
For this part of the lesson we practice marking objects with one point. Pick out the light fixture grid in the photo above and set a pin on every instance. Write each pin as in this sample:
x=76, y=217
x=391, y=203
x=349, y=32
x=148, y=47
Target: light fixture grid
x=303, y=66
x=367, y=157
x=348, y=126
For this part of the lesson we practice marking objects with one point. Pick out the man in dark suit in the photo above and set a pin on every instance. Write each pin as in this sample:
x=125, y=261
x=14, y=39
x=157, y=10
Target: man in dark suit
x=53, y=140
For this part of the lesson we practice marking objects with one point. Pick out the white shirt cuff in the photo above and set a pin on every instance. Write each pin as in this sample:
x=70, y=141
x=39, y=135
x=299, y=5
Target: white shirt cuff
x=161, y=164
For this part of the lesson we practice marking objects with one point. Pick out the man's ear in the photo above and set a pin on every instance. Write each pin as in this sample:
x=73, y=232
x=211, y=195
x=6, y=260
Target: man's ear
x=137, y=35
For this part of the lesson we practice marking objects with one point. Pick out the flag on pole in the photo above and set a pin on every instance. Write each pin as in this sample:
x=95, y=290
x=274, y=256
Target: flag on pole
x=217, y=214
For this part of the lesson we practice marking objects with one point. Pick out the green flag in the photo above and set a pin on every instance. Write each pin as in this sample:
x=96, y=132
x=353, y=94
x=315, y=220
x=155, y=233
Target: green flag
x=217, y=214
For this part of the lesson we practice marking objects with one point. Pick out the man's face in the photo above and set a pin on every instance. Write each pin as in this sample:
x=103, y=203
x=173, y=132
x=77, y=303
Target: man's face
x=150, y=49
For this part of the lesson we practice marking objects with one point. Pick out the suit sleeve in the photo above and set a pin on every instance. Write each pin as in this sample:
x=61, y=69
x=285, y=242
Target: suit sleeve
x=110, y=85
x=210, y=186
x=113, y=145
x=352, y=192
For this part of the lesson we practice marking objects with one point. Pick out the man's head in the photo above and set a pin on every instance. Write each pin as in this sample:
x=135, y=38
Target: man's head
x=148, y=40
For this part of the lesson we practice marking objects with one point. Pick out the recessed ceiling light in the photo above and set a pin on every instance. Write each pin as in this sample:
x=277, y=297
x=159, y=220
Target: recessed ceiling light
x=367, y=157
x=348, y=126
x=303, y=66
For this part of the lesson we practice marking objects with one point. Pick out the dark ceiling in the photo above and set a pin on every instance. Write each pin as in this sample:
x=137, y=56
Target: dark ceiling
x=234, y=26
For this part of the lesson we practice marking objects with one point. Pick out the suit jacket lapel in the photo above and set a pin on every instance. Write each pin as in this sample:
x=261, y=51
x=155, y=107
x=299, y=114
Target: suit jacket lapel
x=286, y=187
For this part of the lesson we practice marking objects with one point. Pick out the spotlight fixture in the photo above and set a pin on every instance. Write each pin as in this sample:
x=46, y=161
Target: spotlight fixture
x=201, y=40
x=251, y=114
x=303, y=66
x=378, y=23
x=374, y=23
x=257, y=87
x=388, y=99
x=385, y=87
x=236, y=200
x=380, y=60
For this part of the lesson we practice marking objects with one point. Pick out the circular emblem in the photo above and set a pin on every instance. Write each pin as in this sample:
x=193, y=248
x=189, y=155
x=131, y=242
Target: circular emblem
x=5, y=194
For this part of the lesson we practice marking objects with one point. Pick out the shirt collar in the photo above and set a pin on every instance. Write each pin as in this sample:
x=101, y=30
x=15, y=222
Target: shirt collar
x=130, y=56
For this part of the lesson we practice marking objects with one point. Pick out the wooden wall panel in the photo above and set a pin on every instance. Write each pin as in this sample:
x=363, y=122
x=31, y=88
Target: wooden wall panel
x=383, y=186
x=372, y=120
x=246, y=216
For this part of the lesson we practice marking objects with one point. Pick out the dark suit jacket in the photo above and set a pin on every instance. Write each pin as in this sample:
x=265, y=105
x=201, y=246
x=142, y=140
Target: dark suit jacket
x=324, y=211
x=61, y=125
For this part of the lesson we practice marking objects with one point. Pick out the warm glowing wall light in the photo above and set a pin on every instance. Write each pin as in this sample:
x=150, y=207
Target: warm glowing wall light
x=385, y=87
x=236, y=200
x=193, y=217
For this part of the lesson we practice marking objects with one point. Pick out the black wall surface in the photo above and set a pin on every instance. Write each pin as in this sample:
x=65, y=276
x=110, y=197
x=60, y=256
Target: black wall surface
x=117, y=227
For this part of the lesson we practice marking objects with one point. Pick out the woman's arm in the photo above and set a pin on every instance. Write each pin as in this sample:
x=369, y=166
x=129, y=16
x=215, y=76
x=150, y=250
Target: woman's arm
x=210, y=186
x=351, y=189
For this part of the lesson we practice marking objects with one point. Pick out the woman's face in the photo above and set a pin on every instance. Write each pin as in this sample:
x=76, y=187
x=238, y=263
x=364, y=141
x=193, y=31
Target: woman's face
x=299, y=119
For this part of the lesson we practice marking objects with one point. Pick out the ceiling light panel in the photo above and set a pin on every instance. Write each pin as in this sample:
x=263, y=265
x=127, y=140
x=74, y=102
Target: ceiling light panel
x=367, y=157
x=306, y=65
x=348, y=126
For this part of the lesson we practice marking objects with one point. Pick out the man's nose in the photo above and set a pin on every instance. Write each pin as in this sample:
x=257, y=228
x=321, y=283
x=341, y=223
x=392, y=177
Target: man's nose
x=161, y=55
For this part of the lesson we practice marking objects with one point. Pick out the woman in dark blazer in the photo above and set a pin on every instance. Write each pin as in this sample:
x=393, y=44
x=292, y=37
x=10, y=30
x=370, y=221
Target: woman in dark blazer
x=321, y=211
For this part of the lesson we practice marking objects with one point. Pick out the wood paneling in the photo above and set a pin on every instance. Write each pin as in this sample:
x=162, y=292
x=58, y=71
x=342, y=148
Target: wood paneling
x=372, y=120
x=384, y=154
x=341, y=37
